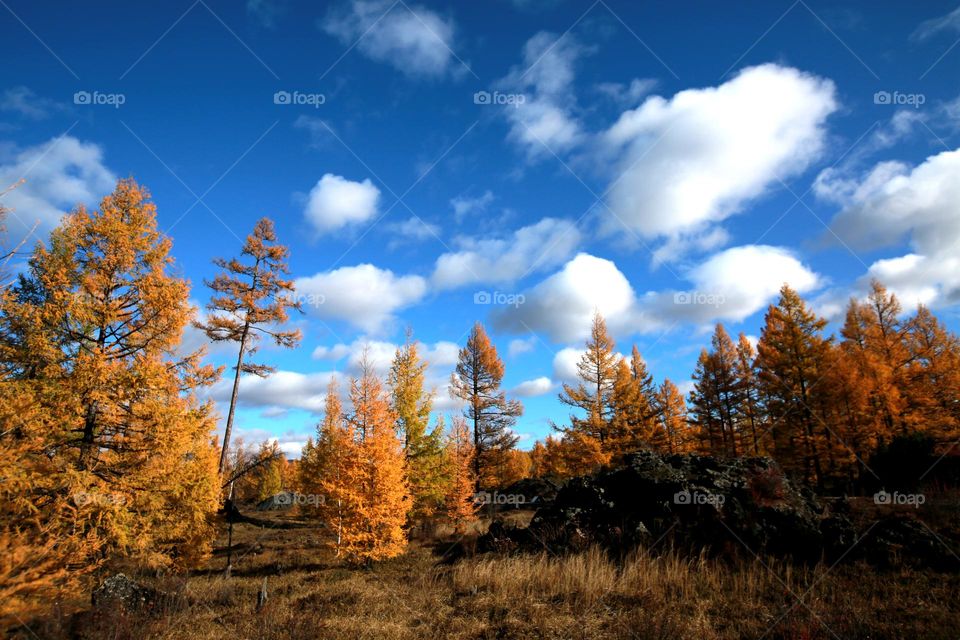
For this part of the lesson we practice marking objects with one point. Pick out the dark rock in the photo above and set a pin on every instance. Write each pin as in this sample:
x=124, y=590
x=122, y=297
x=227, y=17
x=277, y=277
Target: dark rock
x=120, y=593
x=899, y=539
x=536, y=492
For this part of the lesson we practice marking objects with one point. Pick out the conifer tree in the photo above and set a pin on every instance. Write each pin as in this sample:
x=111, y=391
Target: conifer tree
x=674, y=433
x=633, y=406
x=375, y=528
x=597, y=370
x=751, y=422
x=115, y=456
x=250, y=300
x=716, y=394
x=423, y=449
x=793, y=359
x=459, y=503
x=476, y=381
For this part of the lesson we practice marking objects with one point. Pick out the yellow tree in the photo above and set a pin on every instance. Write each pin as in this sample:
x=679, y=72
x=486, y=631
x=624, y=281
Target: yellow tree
x=793, y=360
x=375, y=529
x=251, y=298
x=933, y=378
x=477, y=380
x=750, y=418
x=597, y=370
x=716, y=394
x=89, y=336
x=633, y=406
x=423, y=449
x=459, y=503
x=674, y=434
x=328, y=468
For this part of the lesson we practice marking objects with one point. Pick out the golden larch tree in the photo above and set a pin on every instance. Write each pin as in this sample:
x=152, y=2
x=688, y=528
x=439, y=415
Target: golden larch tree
x=476, y=381
x=251, y=299
x=597, y=370
x=459, y=504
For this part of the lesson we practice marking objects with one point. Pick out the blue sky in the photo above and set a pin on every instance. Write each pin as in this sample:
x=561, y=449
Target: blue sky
x=515, y=162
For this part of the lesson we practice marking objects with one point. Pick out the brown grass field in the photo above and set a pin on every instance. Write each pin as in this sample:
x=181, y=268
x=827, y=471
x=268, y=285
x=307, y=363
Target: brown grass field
x=312, y=594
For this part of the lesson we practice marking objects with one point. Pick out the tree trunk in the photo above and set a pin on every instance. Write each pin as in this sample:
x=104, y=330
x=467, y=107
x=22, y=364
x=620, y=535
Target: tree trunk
x=233, y=398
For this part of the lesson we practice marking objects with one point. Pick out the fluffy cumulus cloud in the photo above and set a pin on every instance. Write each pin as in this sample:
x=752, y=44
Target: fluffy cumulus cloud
x=892, y=202
x=411, y=38
x=536, y=247
x=543, y=121
x=282, y=389
x=729, y=285
x=563, y=304
x=690, y=161
x=532, y=388
x=364, y=296
x=335, y=202
x=57, y=175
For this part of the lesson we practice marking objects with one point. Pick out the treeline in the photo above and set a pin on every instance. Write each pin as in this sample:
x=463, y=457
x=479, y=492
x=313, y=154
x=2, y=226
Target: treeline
x=822, y=406
x=110, y=453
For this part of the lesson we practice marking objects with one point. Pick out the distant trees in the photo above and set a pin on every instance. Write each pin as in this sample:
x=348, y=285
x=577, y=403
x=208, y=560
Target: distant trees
x=459, y=503
x=250, y=300
x=476, y=381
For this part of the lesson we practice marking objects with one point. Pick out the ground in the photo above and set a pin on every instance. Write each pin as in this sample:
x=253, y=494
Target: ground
x=313, y=594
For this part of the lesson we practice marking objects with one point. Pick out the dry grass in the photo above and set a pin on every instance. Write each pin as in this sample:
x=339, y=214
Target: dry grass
x=313, y=595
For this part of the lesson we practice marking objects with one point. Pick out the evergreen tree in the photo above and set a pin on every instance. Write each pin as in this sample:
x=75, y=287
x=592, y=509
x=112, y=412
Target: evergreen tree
x=250, y=300
x=477, y=380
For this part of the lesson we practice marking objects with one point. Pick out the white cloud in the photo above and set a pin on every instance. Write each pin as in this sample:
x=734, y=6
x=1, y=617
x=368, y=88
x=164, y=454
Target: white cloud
x=930, y=28
x=521, y=345
x=59, y=174
x=287, y=389
x=693, y=160
x=336, y=202
x=464, y=206
x=24, y=101
x=411, y=38
x=565, y=364
x=729, y=285
x=893, y=202
x=564, y=303
x=532, y=388
x=414, y=229
x=627, y=95
x=364, y=296
x=544, y=120
x=503, y=260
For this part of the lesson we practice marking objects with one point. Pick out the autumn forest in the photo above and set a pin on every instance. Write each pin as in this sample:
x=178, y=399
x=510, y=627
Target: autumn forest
x=112, y=457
